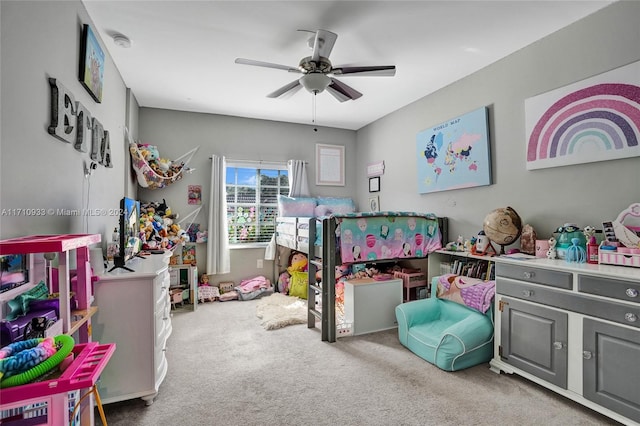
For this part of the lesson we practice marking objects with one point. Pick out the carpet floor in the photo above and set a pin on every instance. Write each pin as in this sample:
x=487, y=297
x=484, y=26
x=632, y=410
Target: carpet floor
x=226, y=369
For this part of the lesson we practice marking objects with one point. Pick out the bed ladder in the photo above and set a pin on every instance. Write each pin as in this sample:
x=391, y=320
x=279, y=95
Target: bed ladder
x=327, y=313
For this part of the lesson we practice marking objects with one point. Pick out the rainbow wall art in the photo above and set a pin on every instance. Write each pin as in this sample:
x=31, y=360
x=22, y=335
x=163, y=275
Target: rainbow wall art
x=595, y=119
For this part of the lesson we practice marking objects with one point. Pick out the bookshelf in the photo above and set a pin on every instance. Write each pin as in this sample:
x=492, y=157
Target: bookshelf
x=461, y=263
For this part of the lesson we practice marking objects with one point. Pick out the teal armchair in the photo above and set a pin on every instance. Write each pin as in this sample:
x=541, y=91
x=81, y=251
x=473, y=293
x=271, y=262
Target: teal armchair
x=447, y=334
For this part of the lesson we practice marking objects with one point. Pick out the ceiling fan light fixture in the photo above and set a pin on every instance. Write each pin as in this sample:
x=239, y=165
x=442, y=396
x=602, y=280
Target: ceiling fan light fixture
x=315, y=82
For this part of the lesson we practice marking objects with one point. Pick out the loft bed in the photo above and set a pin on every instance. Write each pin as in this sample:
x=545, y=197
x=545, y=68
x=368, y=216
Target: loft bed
x=351, y=239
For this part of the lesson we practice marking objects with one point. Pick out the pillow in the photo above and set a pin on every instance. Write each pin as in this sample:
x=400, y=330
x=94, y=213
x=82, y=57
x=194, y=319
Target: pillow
x=291, y=207
x=322, y=210
x=471, y=292
x=334, y=205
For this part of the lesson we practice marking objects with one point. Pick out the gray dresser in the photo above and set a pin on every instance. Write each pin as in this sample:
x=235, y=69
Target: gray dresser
x=573, y=328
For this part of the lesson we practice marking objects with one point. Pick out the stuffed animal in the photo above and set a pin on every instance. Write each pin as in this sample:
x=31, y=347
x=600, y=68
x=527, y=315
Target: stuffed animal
x=161, y=208
x=151, y=153
x=163, y=164
x=297, y=262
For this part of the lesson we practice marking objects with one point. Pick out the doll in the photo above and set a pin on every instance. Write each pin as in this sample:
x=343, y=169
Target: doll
x=297, y=262
x=204, y=280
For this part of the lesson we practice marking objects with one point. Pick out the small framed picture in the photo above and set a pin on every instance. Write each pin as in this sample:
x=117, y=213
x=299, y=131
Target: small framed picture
x=91, y=64
x=374, y=203
x=374, y=184
x=194, y=194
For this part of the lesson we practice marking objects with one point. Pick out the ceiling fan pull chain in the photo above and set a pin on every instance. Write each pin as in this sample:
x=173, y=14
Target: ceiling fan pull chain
x=313, y=108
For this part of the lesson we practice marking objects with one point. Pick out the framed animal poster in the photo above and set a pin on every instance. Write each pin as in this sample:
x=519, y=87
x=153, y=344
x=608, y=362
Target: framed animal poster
x=454, y=154
x=91, y=64
x=595, y=119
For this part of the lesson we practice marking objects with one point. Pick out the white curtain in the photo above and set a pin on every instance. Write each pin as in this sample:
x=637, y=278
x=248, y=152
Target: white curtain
x=218, y=259
x=298, y=182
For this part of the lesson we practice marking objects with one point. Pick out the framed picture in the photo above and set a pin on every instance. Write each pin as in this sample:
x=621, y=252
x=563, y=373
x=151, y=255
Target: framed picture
x=374, y=184
x=374, y=203
x=455, y=154
x=194, y=194
x=592, y=120
x=329, y=165
x=91, y=64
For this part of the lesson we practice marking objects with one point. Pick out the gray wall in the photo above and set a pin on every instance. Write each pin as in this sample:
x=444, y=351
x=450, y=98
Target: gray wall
x=42, y=39
x=38, y=171
x=176, y=132
x=586, y=194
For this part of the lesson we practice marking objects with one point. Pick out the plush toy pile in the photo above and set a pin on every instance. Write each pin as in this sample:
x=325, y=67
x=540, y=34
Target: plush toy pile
x=158, y=228
x=162, y=166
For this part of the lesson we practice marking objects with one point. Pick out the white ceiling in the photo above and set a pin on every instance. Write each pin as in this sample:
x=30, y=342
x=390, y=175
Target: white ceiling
x=182, y=54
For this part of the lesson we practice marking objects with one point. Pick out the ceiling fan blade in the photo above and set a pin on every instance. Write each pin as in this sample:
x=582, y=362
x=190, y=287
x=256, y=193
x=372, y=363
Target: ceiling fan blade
x=266, y=65
x=338, y=95
x=292, y=87
x=380, y=71
x=344, y=89
x=323, y=44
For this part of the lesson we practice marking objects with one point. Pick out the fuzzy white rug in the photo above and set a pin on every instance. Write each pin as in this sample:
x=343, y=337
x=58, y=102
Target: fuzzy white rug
x=278, y=310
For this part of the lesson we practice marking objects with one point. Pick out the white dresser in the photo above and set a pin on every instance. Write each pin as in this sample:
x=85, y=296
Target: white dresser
x=135, y=314
x=573, y=328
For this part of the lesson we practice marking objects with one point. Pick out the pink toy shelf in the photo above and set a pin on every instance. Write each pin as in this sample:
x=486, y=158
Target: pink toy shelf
x=90, y=359
x=63, y=244
x=47, y=243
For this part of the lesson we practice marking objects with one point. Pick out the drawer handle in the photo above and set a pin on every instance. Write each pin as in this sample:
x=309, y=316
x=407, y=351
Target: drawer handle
x=631, y=317
x=632, y=292
x=527, y=293
x=587, y=354
x=528, y=275
x=558, y=345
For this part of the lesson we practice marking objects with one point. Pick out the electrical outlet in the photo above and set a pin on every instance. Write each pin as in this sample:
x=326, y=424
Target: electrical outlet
x=260, y=264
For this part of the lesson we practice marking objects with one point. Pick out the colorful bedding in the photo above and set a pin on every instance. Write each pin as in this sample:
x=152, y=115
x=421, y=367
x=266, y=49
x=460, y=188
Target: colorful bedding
x=386, y=235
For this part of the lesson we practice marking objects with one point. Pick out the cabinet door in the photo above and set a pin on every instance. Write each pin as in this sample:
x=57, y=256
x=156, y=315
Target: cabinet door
x=534, y=339
x=610, y=367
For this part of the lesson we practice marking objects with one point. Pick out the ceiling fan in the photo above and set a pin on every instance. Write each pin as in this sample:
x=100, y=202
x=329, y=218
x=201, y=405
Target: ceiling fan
x=318, y=72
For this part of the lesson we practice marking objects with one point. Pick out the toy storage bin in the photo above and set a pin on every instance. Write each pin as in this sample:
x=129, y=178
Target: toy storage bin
x=616, y=258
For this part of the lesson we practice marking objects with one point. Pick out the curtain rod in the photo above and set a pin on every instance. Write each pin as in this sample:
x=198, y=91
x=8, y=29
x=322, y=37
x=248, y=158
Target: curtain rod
x=255, y=161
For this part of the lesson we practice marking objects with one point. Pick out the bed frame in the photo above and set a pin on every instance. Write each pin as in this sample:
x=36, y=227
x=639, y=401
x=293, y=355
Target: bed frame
x=299, y=233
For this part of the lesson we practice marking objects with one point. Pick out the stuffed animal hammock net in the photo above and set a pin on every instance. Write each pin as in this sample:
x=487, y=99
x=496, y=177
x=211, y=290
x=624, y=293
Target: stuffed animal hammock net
x=155, y=177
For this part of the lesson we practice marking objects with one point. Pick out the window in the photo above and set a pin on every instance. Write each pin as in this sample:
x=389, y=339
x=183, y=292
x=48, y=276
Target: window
x=252, y=200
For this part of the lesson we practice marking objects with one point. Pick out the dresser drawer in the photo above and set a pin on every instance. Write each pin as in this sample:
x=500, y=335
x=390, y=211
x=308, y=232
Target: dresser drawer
x=161, y=292
x=161, y=329
x=535, y=275
x=622, y=313
x=608, y=287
